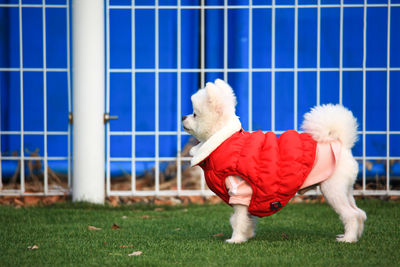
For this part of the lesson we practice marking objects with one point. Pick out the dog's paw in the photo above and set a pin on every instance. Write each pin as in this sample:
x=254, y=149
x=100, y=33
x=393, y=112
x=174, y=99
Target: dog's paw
x=346, y=239
x=235, y=240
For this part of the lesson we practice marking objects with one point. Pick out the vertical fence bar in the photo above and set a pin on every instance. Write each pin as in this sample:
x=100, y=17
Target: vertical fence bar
x=69, y=92
x=226, y=40
x=341, y=55
x=45, y=98
x=133, y=85
x=364, y=94
x=108, y=76
x=21, y=79
x=273, y=67
x=157, y=167
x=319, y=52
x=295, y=74
x=179, y=112
x=202, y=44
x=202, y=74
x=88, y=100
x=388, y=99
x=250, y=78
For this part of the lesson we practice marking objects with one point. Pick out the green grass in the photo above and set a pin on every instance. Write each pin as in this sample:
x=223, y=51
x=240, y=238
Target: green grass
x=299, y=235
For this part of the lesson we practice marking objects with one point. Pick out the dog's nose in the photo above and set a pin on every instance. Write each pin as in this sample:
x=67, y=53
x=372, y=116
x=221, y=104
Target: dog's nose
x=184, y=118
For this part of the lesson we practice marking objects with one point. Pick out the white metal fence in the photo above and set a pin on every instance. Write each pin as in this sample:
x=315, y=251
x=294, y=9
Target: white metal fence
x=203, y=71
x=24, y=158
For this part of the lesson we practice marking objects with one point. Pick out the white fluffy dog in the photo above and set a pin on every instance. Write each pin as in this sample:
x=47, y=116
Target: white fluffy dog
x=214, y=121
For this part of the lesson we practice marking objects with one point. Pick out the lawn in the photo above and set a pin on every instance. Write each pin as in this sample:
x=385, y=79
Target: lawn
x=299, y=235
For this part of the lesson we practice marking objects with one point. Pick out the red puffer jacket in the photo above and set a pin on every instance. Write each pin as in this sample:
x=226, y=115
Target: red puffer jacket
x=274, y=167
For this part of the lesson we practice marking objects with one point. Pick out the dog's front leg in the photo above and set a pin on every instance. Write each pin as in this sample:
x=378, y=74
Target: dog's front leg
x=243, y=225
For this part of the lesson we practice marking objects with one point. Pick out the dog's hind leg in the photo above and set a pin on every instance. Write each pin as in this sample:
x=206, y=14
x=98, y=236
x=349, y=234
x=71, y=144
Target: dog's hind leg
x=336, y=196
x=362, y=216
x=243, y=224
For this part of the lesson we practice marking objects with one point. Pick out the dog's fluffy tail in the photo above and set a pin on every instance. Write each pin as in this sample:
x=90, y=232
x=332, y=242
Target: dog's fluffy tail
x=331, y=122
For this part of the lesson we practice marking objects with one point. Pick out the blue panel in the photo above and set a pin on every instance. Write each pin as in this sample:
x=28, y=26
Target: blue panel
x=262, y=2
x=33, y=101
x=10, y=112
x=395, y=37
x=238, y=2
x=9, y=38
x=353, y=94
x=121, y=2
x=145, y=145
x=190, y=84
x=57, y=101
x=56, y=37
x=121, y=101
x=284, y=101
x=120, y=39
x=212, y=76
x=358, y=148
x=394, y=101
x=33, y=144
x=284, y=38
x=307, y=97
x=10, y=145
x=57, y=145
x=145, y=38
x=238, y=38
x=353, y=23
x=185, y=139
x=32, y=37
x=121, y=146
x=261, y=38
x=167, y=2
x=239, y=83
x=284, y=2
x=307, y=38
x=190, y=39
x=168, y=38
x=376, y=145
x=329, y=88
x=376, y=101
x=168, y=145
x=168, y=102
x=190, y=2
x=145, y=102
x=377, y=37
x=394, y=145
x=330, y=37
x=215, y=38
x=261, y=101
x=214, y=2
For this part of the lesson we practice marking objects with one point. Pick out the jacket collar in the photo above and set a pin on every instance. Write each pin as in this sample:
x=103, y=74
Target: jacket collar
x=204, y=149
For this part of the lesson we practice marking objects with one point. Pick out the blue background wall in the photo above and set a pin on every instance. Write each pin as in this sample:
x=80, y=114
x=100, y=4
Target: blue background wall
x=238, y=52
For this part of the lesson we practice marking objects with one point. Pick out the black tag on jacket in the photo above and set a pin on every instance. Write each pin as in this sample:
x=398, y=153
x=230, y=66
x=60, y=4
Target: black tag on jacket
x=275, y=205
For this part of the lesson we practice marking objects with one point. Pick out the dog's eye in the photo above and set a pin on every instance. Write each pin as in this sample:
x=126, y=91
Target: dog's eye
x=194, y=115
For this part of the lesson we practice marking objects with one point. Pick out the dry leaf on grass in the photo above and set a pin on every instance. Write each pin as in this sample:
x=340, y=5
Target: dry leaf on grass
x=124, y=217
x=33, y=247
x=135, y=253
x=93, y=228
x=285, y=236
x=126, y=246
x=145, y=216
x=115, y=226
x=219, y=234
x=159, y=209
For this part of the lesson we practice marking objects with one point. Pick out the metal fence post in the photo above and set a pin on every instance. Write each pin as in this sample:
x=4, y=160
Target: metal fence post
x=88, y=100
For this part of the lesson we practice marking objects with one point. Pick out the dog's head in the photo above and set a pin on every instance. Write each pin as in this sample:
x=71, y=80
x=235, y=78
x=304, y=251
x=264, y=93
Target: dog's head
x=213, y=108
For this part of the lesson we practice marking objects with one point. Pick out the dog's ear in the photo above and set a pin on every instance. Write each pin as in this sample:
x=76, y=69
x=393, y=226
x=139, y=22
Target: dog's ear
x=222, y=85
x=214, y=97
